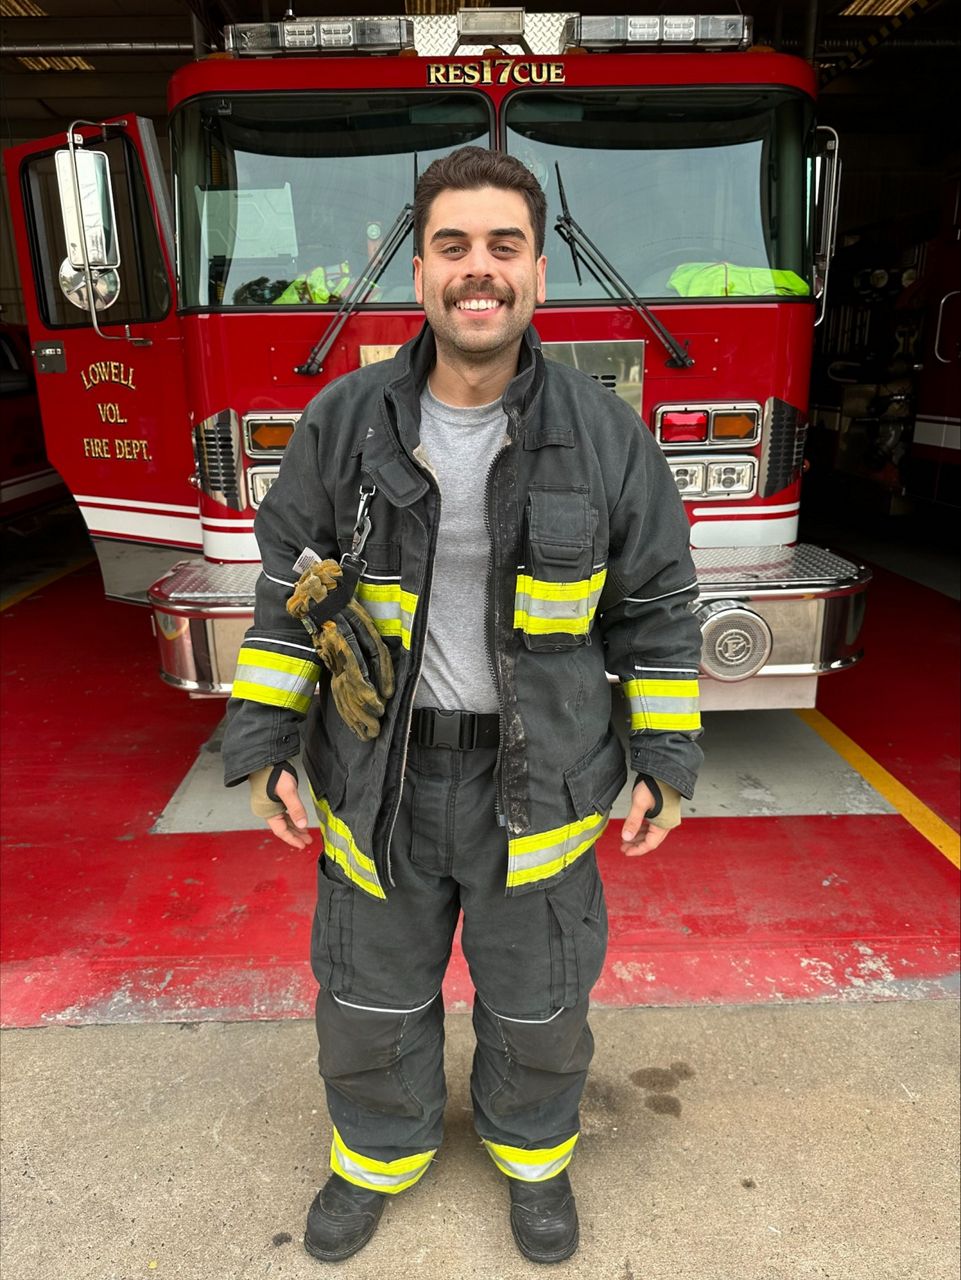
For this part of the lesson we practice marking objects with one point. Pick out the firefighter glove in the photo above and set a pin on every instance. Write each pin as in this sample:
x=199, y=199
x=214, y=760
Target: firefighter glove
x=263, y=798
x=315, y=584
x=666, y=812
x=361, y=669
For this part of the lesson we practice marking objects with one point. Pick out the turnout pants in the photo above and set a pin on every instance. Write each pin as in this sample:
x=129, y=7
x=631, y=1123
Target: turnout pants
x=533, y=960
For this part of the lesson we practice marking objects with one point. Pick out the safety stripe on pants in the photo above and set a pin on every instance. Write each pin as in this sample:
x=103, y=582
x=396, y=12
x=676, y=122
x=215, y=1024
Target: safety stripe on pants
x=386, y=1176
x=535, y=1165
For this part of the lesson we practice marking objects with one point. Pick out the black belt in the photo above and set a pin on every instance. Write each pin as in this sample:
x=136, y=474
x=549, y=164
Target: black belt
x=457, y=730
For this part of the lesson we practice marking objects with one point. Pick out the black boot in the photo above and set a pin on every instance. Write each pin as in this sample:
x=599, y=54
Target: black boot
x=342, y=1219
x=544, y=1218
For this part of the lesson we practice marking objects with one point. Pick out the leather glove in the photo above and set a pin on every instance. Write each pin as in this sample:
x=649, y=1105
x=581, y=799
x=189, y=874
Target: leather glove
x=361, y=670
x=313, y=587
x=263, y=797
x=348, y=643
x=666, y=812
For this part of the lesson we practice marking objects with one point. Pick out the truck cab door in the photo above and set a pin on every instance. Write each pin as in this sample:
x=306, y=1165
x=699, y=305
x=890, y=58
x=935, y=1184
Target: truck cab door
x=111, y=384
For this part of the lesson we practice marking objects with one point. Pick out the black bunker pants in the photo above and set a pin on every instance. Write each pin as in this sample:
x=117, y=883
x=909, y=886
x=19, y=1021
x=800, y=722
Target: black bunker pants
x=533, y=960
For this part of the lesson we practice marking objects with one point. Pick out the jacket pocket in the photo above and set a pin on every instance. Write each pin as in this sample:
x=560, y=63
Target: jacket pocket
x=331, y=935
x=594, y=782
x=558, y=587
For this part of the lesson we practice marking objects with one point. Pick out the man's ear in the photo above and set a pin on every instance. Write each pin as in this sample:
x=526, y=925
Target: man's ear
x=541, y=279
x=419, y=279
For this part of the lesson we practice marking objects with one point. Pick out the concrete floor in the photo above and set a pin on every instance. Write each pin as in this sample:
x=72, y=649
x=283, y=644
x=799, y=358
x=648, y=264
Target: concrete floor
x=720, y=1143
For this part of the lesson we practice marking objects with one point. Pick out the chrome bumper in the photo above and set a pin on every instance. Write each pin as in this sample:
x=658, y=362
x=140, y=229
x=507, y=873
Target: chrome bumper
x=803, y=605
x=201, y=613
x=774, y=619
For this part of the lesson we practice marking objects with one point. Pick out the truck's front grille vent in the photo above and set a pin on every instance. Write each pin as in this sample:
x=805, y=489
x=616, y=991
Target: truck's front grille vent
x=782, y=450
x=217, y=441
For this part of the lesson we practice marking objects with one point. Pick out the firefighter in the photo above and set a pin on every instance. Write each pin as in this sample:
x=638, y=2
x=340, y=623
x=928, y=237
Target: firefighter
x=461, y=542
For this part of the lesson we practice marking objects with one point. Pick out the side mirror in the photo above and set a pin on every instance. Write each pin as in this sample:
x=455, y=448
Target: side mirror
x=86, y=200
x=827, y=188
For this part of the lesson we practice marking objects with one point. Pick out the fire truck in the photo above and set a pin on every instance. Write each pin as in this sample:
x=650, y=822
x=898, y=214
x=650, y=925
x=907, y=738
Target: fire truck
x=691, y=212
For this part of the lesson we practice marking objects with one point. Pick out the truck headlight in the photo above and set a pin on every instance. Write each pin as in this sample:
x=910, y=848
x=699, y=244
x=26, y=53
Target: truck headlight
x=688, y=476
x=260, y=481
x=730, y=477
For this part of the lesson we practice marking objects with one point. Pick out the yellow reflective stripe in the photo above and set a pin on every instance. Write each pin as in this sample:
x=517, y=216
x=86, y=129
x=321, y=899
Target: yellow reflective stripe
x=538, y=604
x=391, y=608
x=271, y=697
x=341, y=847
x=665, y=720
x=662, y=688
x=563, y=843
x=532, y=1165
x=386, y=1176
x=663, y=704
x=538, y=589
x=545, y=626
x=275, y=679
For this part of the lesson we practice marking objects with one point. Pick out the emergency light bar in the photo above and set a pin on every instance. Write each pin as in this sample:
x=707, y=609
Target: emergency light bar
x=695, y=31
x=320, y=35
x=503, y=26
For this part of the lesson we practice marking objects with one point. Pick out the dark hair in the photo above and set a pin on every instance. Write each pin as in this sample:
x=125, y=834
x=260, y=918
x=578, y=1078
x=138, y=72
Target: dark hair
x=470, y=168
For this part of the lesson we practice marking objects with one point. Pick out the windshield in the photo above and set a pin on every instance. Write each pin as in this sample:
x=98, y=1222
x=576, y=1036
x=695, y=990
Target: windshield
x=689, y=193
x=282, y=199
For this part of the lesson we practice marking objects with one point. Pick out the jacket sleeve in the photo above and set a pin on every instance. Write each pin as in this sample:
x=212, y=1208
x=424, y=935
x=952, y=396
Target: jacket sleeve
x=652, y=640
x=277, y=668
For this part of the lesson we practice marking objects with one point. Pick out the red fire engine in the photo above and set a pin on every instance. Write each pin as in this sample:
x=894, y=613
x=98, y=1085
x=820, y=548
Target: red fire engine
x=691, y=207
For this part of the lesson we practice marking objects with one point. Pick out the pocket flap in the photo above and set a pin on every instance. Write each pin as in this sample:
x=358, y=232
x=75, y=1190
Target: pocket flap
x=595, y=780
x=560, y=533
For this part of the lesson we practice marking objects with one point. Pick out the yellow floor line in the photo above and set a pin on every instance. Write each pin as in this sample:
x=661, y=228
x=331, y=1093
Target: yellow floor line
x=44, y=582
x=944, y=838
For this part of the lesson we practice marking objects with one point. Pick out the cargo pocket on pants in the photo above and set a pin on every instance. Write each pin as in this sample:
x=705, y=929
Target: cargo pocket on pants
x=578, y=933
x=331, y=935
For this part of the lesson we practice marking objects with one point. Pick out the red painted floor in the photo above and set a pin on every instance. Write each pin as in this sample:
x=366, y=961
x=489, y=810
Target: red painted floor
x=102, y=921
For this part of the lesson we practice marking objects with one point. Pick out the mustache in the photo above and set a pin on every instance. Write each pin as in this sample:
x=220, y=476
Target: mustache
x=460, y=293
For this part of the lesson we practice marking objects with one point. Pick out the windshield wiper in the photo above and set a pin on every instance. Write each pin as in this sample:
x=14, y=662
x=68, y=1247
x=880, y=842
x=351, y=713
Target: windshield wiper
x=583, y=249
x=359, y=291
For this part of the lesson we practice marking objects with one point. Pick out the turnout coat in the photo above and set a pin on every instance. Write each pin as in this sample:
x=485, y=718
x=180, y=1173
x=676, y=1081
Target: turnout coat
x=590, y=572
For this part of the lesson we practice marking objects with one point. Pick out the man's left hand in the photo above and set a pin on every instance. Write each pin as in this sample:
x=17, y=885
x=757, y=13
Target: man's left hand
x=639, y=835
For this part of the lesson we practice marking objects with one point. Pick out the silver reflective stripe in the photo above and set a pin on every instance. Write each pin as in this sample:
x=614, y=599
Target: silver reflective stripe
x=341, y=847
x=553, y=850
x=372, y=1008
x=532, y=1166
x=529, y=1022
x=665, y=706
x=387, y=1176
x=298, y=685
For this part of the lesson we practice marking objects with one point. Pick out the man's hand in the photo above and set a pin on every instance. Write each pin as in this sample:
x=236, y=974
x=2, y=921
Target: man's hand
x=641, y=834
x=285, y=815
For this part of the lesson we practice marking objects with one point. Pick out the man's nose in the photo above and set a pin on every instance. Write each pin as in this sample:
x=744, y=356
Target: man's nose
x=477, y=261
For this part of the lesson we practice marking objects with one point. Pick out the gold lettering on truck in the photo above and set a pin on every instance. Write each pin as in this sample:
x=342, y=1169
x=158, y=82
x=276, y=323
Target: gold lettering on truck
x=496, y=71
x=101, y=371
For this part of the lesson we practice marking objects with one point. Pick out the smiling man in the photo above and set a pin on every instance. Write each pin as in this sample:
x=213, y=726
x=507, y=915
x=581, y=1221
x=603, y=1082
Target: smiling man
x=519, y=536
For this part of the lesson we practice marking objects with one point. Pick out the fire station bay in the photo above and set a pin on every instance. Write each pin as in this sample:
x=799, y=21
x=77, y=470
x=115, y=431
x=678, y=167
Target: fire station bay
x=732, y=430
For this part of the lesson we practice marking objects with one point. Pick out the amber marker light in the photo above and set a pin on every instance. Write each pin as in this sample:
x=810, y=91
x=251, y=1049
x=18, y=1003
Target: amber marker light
x=271, y=435
x=733, y=426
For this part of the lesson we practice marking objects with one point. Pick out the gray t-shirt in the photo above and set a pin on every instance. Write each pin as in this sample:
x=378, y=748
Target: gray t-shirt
x=459, y=445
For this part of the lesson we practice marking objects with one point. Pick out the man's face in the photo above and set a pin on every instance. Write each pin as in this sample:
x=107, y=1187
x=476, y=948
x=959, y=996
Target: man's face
x=479, y=279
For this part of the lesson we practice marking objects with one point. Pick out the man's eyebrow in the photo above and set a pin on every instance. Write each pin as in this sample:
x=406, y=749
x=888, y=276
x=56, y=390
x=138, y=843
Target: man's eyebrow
x=498, y=233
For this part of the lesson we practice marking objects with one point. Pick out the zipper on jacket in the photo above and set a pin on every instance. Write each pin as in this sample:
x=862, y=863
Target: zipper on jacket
x=424, y=597
x=499, y=807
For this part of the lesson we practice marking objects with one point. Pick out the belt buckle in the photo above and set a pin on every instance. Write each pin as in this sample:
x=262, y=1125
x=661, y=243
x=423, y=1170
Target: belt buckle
x=456, y=730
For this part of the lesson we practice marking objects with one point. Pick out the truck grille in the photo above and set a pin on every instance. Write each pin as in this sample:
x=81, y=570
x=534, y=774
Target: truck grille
x=782, y=451
x=217, y=448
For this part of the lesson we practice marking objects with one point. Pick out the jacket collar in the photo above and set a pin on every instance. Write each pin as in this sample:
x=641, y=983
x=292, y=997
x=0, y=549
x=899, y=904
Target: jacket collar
x=388, y=452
